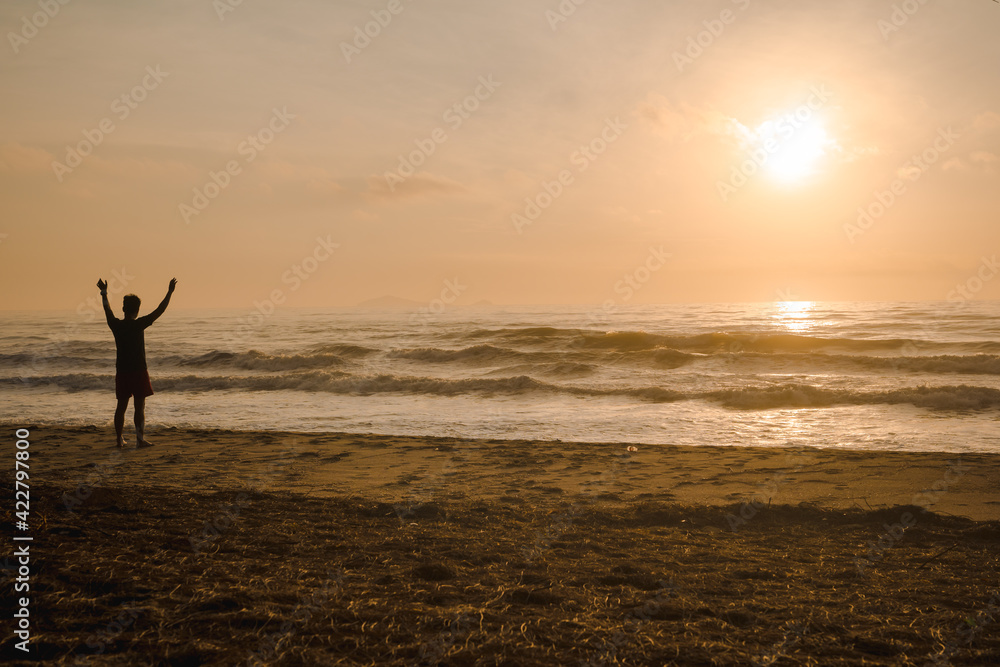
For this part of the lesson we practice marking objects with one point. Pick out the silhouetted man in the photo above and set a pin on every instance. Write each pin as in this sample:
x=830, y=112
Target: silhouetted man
x=131, y=375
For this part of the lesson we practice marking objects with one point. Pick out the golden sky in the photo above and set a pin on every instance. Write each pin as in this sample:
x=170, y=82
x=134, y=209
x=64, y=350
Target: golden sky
x=536, y=152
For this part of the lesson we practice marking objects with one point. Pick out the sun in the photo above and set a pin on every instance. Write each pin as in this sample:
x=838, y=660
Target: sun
x=792, y=147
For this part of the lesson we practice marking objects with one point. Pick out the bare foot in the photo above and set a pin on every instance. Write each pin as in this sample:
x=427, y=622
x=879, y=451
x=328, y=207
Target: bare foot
x=141, y=444
x=121, y=443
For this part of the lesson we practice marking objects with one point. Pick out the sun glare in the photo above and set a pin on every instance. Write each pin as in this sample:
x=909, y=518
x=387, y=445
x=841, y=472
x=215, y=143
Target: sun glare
x=794, y=315
x=792, y=148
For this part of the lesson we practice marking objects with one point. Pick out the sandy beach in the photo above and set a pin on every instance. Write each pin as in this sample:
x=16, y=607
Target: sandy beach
x=413, y=469
x=225, y=548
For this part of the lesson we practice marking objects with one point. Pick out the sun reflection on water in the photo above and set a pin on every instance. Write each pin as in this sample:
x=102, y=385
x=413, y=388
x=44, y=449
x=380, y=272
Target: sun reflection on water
x=794, y=316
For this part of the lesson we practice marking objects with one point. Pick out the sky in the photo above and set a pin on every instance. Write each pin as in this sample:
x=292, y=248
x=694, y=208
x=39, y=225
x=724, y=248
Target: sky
x=524, y=152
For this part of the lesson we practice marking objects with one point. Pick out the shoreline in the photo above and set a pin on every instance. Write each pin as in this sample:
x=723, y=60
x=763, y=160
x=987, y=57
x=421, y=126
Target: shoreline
x=416, y=468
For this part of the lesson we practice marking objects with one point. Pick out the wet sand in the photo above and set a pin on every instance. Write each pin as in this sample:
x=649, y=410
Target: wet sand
x=400, y=468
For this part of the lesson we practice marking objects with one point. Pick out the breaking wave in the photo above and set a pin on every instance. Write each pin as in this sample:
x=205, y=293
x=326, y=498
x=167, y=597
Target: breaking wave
x=257, y=361
x=790, y=395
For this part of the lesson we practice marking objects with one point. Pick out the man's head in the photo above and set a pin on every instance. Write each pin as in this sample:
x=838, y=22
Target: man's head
x=130, y=305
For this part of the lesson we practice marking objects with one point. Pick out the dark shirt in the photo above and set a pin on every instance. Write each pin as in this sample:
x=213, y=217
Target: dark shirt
x=131, y=343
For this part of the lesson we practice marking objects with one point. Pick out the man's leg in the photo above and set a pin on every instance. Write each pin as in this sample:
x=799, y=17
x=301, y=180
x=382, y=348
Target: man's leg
x=140, y=422
x=120, y=420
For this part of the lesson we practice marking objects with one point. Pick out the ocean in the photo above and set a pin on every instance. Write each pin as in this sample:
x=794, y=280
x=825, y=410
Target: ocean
x=874, y=376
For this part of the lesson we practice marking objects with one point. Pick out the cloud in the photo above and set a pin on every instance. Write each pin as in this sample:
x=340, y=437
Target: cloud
x=296, y=181
x=421, y=184
x=860, y=153
x=685, y=122
x=954, y=163
x=984, y=160
x=987, y=121
x=17, y=158
x=366, y=216
x=620, y=214
x=136, y=167
x=984, y=157
x=779, y=133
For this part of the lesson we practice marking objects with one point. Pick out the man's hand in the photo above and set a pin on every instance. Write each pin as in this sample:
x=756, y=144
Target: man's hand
x=103, y=286
x=152, y=317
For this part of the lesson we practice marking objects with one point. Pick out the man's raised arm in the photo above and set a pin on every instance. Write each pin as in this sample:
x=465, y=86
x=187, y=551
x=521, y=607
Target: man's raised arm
x=108, y=313
x=163, y=304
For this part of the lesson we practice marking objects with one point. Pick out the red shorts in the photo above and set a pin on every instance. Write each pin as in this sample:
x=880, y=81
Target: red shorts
x=135, y=383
